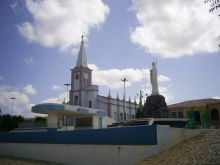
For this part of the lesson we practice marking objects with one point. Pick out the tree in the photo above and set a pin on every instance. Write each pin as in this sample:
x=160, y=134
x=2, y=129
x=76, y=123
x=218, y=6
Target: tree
x=214, y=5
x=139, y=112
x=8, y=122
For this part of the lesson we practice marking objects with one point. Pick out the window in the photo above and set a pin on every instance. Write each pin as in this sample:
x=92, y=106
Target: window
x=180, y=114
x=76, y=102
x=115, y=115
x=90, y=104
x=121, y=116
x=174, y=115
x=214, y=115
x=77, y=76
x=83, y=122
x=85, y=82
x=127, y=116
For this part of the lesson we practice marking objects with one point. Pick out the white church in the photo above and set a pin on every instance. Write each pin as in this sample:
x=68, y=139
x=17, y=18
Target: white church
x=85, y=94
x=86, y=108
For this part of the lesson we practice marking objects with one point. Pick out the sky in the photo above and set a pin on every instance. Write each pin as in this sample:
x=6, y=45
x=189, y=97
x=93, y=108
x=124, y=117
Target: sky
x=40, y=40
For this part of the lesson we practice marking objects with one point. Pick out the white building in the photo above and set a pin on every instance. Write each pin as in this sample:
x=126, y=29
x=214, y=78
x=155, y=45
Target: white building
x=84, y=93
x=68, y=117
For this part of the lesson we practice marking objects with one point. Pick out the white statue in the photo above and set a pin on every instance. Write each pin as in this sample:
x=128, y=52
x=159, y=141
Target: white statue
x=153, y=78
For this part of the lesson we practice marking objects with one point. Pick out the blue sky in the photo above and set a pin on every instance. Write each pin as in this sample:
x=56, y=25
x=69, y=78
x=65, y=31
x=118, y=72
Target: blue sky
x=40, y=42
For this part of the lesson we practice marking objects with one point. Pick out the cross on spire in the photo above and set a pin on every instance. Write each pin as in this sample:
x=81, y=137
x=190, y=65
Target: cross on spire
x=82, y=37
x=81, y=61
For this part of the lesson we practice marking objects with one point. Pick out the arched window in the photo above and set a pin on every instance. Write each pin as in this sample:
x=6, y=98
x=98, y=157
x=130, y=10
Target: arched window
x=90, y=104
x=76, y=100
x=121, y=116
x=214, y=115
x=127, y=116
x=85, y=82
x=77, y=76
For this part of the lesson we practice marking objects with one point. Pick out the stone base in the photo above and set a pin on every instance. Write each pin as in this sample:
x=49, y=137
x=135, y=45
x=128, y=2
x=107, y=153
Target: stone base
x=156, y=107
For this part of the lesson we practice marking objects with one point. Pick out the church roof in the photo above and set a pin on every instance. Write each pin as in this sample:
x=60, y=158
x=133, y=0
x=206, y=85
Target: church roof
x=81, y=61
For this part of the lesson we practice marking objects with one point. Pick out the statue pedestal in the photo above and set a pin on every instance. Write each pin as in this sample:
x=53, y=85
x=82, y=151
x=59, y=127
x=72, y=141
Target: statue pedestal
x=156, y=107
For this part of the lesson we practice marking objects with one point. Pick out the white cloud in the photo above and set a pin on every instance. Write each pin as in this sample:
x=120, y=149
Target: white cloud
x=112, y=77
x=164, y=90
x=60, y=99
x=21, y=105
x=216, y=97
x=56, y=88
x=172, y=29
x=29, y=90
x=162, y=78
x=60, y=23
x=29, y=60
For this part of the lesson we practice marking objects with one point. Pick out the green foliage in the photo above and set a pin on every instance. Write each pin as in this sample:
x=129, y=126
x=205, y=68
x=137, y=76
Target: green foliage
x=8, y=122
x=38, y=118
x=139, y=112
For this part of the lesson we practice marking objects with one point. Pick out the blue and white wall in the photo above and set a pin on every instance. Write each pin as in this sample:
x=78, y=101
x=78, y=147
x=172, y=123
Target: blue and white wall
x=117, y=154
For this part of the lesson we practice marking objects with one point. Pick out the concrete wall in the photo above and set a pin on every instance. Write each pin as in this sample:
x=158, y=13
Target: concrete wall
x=168, y=137
x=98, y=154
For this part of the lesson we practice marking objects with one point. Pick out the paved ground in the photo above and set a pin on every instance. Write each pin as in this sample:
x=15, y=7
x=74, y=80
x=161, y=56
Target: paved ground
x=18, y=161
x=201, y=150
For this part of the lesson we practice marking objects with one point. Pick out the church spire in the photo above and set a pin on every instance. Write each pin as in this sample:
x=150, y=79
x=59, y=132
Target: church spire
x=117, y=96
x=109, y=94
x=81, y=61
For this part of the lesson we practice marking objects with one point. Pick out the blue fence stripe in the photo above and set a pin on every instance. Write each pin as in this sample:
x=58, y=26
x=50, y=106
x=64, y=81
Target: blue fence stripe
x=138, y=135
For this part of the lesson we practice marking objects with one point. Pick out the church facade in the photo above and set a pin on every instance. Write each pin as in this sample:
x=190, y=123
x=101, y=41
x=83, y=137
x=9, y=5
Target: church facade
x=83, y=93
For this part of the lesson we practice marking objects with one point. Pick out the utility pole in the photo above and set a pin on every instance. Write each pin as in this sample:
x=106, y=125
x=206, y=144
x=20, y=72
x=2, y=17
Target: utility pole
x=12, y=105
x=124, y=80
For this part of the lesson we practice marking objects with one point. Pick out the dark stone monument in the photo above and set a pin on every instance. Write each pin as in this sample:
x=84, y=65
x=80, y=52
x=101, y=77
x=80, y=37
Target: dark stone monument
x=156, y=107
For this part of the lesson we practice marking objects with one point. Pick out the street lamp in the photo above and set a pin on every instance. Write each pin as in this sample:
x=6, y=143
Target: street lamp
x=12, y=104
x=124, y=80
x=67, y=91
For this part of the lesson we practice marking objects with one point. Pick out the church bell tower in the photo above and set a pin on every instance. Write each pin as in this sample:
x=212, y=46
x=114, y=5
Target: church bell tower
x=82, y=92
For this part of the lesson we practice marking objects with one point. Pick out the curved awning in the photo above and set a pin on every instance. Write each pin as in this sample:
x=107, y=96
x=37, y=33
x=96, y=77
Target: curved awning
x=46, y=108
